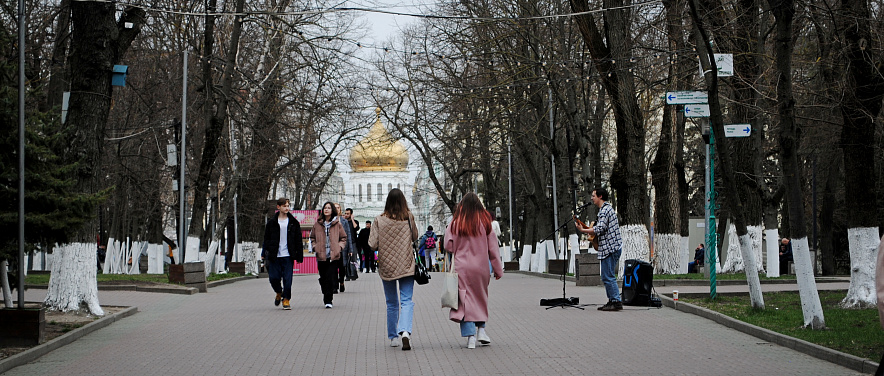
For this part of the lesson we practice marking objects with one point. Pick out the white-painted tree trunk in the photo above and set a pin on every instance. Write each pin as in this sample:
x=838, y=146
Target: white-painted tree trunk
x=210, y=257
x=138, y=248
x=635, y=245
x=810, y=298
x=4, y=281
x=525, y=260
x=772, y=241
x=193, y=249
x=863, y=243
x=734, y=262
x=155, y=259
x=686, y=255
x=574, y=246
x=667, y=253
x=755, y=296
x=110, y=255
x=72, y=284
x=251, y=253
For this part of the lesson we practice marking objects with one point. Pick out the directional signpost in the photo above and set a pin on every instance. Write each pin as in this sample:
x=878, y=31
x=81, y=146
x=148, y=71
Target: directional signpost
x=737, y=130
x=696, y=110
x=686, y=97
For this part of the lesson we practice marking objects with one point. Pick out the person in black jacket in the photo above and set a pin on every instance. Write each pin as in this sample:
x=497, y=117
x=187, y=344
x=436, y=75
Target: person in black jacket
x=362, y=245
x=282, y=246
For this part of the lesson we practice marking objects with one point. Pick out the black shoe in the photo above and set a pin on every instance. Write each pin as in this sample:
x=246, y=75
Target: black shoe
x=604, y=307
x=613, y=306
x=342, y=286
x=618, y=306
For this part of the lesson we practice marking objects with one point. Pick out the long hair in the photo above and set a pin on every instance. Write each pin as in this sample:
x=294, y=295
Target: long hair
x=334, y=212
x=469, y=216
x=396, y=207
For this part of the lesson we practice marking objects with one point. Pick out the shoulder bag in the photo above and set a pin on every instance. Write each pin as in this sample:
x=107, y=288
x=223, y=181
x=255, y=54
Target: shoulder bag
x=449, y=286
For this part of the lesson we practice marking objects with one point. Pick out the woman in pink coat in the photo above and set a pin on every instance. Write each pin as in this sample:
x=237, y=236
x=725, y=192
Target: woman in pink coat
x=472, y=243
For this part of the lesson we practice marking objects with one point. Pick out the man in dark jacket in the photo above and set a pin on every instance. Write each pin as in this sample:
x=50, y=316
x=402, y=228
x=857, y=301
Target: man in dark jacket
x=282, y=246
x=367, y=253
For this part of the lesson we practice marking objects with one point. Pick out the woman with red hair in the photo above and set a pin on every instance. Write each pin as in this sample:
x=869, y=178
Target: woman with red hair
x=471, y=242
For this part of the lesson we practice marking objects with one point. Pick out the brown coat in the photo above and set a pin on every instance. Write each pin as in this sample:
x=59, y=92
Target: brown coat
x=335, y=232
x=393, y=240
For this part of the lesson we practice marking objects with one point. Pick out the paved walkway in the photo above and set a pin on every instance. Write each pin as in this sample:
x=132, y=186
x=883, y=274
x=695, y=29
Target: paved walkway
x=235, y=330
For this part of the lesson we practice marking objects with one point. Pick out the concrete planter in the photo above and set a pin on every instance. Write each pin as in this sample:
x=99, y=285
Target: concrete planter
x=237, y=267
x=556, y=266
x=22, y=327
x=191, y=274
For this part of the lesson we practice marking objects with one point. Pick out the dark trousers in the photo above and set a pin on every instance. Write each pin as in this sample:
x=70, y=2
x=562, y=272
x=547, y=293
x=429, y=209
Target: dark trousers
x=369, y=260
x=784, y=265
x=280, y=270
x=328, y=278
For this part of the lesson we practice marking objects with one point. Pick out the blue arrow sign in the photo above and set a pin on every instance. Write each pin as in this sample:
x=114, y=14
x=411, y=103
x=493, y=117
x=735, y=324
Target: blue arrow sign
x=737, y=130
x=686, y=97
x=696, y=110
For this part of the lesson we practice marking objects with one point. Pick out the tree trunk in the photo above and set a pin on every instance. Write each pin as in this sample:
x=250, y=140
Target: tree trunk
x=4, y=284
x=861, y=104
x=628, y=177
x=72, y=284
x=734, y=205
x=784, y=12
x=216, y=115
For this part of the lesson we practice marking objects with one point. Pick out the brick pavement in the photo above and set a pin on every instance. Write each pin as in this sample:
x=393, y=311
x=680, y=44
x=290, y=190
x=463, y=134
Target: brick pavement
x=235, y=330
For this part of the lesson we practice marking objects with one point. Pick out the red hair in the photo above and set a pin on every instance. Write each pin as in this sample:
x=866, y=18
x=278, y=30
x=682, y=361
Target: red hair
x=469, y=216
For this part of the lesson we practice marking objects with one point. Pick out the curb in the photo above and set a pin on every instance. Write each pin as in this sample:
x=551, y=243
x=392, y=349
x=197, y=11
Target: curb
x=164, y=290
x=685, y=282
x=33, y=353
x=229, y=280
x=833, y=356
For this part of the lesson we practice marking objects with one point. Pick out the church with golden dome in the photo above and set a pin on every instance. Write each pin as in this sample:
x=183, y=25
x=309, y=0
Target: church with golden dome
x=378, y=163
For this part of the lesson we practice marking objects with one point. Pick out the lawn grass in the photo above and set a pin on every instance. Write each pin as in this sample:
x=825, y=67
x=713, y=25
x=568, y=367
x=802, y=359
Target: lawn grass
x=43, y=279
x=853, y=331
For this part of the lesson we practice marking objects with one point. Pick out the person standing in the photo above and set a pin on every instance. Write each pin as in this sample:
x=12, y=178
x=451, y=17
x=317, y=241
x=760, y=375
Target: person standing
x=785, y=255
x=472, y=244
x=329, y=239
x=393, y=237
x=366, y=252
x=607, y=231
x=349, y=249
x=282, y=246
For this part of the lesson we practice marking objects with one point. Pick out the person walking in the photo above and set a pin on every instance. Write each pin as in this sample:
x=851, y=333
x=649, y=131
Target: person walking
x=282, y=246
x=349, y=248
x=607, y=231
x=329, y=239
x=428, y=249
x=366, y=252
x=472, y=244
x=393, y=235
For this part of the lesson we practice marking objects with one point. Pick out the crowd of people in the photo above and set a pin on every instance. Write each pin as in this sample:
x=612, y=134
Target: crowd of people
x=391, y=245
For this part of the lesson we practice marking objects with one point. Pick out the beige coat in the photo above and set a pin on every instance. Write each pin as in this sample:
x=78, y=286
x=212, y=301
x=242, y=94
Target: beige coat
x=318, y=239
x=393, y=240
x=879, y=281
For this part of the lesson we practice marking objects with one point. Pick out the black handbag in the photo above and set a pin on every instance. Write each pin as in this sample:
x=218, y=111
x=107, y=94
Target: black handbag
x=351, y=271
x=421, y=275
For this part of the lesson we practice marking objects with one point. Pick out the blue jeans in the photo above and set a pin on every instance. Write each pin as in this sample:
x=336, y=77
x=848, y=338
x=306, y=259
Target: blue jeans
x=609, y=267
x=468, y=328
x=280, y=270
x=400, y=307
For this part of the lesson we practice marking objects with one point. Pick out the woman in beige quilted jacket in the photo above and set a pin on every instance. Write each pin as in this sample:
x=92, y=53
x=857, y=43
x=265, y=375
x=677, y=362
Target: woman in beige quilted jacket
x=392, y=236
x=328, y=239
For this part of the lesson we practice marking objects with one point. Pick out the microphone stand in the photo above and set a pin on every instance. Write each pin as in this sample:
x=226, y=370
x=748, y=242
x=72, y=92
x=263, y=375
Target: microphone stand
x=565, y=302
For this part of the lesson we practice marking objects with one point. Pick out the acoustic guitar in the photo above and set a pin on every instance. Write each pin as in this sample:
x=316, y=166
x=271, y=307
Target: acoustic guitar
x=592, y=238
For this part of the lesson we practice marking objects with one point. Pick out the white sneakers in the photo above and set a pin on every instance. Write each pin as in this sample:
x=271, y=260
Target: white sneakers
x=483, y=337
x=394, y=342
x=406, y=341
x=471, y=342
x=328, y=305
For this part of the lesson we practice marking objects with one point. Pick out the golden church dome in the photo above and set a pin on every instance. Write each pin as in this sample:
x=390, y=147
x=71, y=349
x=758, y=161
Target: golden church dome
x=378, y=151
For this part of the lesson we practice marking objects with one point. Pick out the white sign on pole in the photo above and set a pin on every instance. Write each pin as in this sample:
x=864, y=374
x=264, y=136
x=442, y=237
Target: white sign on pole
x=686, y=97
x=724, y=63
x=696, y=110
x=737, y=130
x=171, y=155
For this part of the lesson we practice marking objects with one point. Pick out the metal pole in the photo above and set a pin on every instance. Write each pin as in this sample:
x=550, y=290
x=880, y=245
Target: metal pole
x=21, y=154
x=182, y=236
x=712, y=234
x=552, y=160
x=509, y=158
x=708, y=197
